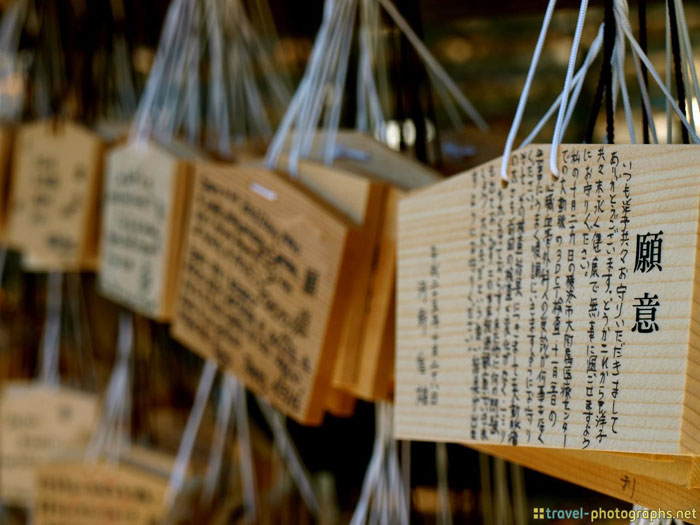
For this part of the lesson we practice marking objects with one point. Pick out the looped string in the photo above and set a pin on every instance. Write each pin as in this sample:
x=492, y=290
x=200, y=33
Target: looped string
x=384, y=497
x=51, y=338
x=291, y=457
x=112, y=435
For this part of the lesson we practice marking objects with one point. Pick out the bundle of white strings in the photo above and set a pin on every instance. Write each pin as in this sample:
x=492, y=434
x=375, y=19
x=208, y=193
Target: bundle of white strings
x=320, y=92
x=573, y=83
x=384, y=496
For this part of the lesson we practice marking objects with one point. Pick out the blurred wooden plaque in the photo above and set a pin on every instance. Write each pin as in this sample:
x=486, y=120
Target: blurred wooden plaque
x=554, y=313
x=263, y=286
x=143, y=215
x=54, y=194
x=103, y=492
x=37, y=424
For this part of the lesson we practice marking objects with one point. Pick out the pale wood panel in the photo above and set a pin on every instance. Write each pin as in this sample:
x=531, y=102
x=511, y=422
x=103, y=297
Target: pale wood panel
x=262, y=287
x=39, y=423
x=613, y=478
x=144, y=209
x=361, y=199
x=102, y=492
x=54, y=195
x=650, y=406
x=377, y=358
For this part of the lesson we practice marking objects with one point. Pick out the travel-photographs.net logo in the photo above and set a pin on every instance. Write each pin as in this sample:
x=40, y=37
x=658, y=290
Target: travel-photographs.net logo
x=546, y=513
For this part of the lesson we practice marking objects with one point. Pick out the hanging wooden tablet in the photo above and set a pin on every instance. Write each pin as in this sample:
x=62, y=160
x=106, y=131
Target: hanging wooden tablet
x=131, y=491
x=263, y=286
x=553, y=312
x=361, y=167
x=52, y=215
x=361, y=199
x=39, y=423
x=376, y=362
x=143, y=215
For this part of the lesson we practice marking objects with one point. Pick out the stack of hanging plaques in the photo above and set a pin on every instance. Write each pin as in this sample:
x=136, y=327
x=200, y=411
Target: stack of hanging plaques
x=144, y=211
x=54, y=195
x=365, y=182
x=264, y=284
x=553, y=313
x=83, y=493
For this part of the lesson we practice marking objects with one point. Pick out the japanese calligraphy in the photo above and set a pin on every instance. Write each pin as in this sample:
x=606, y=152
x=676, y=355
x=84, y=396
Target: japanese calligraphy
x=645, y=314
x=648, y=252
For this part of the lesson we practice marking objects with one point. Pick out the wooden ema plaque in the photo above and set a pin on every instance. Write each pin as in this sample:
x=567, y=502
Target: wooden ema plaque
x=54, y=194
x=375, y=379
x=37, y=424
x=262, y=287
x=127, y=492
x=143, y=216
x=654, y=482
x=553, y=313
x=362, y=201
x=361, y=169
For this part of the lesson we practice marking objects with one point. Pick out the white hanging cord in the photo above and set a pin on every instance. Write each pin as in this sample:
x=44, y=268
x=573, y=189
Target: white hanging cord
x=558, y=131
x=223, y=413
x=505, y=161
x=690, y=78
x=384, y=497
x=177, y=476
x=689, y=56
x=620, y=6
x=646, y=103
x=245, y=449
x=289, y=453
x=372, y=476
x=112, y=433
x=333, y=115
x=577, y=84
x=51, y=337
x=11, y=103
x=143, y=123
x=619, y=70
x=406, y=472
x=434, y=65
x=669, y=116
x=328, y=65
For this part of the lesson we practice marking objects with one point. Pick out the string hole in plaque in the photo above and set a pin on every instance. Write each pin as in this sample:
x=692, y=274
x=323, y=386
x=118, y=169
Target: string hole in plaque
x=504, y=183
x=265, y=193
